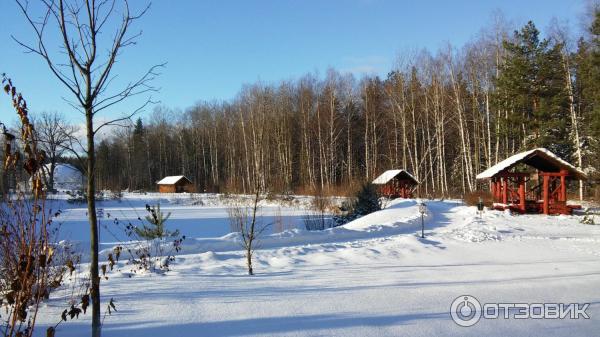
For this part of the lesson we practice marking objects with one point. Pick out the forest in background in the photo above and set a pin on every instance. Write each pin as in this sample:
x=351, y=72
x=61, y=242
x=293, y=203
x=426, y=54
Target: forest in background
x=443, y=116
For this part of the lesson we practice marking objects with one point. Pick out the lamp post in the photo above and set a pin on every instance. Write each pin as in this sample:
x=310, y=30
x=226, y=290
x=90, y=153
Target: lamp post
x=480, y=207
x=422, y=210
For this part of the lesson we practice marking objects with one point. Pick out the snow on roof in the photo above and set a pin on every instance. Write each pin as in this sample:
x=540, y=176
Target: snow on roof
x=170, y=180
x=65, y=178
x=527, y=157
x=64, y=173
x=388, y=175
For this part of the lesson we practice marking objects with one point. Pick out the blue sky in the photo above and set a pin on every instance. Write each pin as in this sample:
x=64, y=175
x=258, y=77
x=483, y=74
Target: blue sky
x=214, y=47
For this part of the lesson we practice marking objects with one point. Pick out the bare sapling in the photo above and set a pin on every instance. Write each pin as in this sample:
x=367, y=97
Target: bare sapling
x=319, y=217
x=246, y=221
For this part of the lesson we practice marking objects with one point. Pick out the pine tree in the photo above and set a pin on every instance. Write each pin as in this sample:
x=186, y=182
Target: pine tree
x=367, y=201
x=594, y=83
x=156, y=229
x=553, y=112
x=531, y=89
x=587, y=91
x=139, y=127
x=136, y=154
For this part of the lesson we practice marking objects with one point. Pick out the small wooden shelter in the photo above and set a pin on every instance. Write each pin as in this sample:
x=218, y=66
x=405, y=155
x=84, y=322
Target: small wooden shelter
x=543, y=190
x=175, y=184
x=396, y=184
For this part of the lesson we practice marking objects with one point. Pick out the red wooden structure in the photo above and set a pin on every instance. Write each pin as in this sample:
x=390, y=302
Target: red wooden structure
x=396, y=184
x=543, y=191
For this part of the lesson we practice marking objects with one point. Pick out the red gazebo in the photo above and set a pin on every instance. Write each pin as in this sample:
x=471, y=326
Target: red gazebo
x=396, y=184
x=515, y=186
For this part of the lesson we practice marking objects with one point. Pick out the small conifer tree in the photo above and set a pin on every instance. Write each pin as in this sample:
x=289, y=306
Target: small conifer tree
x=367, y=201
x=156, y=225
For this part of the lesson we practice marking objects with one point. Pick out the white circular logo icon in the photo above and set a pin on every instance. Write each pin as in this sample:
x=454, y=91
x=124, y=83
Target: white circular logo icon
x=465, y=310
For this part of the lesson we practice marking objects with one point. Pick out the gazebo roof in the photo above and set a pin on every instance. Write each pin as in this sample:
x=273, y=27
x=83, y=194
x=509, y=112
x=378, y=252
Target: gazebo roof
x=541, y=159
x=388, y=175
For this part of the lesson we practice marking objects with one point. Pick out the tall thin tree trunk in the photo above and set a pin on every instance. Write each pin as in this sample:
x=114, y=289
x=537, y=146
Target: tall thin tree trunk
x=321, y=150
x=349, y=144
x=91, y=201
x=574, y=120
x=367, y=172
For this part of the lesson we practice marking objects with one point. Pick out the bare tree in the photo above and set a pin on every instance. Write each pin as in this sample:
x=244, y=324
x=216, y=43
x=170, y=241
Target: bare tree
x=86, y=73
x=246, y=221
x=53, y=133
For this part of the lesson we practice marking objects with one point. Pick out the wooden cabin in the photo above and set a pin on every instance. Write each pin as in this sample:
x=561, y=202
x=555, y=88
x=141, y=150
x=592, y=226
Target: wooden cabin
x=534, y=181
x=175, y=184
x=396, y=184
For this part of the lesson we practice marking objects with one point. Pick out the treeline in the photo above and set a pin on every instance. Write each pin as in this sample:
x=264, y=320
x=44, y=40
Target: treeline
x=444, y=117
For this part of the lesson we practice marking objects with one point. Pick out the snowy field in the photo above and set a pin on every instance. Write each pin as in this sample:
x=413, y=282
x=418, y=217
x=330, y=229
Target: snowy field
x=372, y=277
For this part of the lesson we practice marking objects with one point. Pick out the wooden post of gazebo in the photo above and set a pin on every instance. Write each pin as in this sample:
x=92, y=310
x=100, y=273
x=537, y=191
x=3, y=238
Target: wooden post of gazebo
x=563, y=185
x=522, y=194
x=499, y=183
x=546, y=194
x=505, y=190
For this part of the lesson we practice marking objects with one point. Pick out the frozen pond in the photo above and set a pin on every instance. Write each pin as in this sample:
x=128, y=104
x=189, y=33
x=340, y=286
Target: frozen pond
x=193, y=221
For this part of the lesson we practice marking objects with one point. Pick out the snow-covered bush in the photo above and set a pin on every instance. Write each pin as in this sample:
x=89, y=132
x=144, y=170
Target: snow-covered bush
x=588, y=218
x=116, y=194
x=76, y=197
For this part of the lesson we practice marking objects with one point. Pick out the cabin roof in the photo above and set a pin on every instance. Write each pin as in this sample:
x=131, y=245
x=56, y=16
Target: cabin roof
x=172, y=180
x=388, y=175
x=541, y=159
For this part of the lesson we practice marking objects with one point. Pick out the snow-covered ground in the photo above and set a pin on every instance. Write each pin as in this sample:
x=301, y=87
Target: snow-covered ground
x=372, y=277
